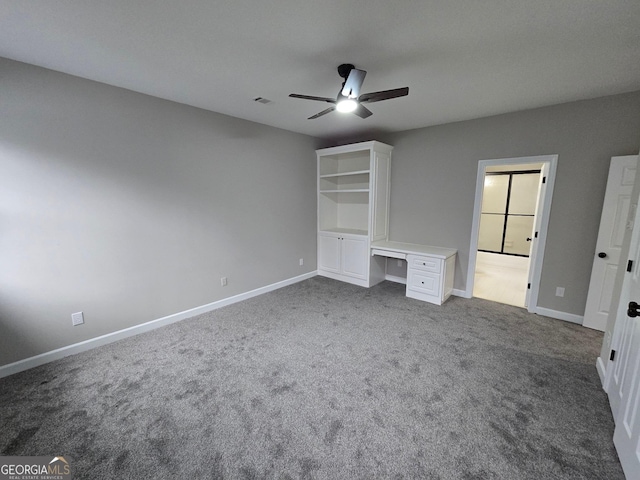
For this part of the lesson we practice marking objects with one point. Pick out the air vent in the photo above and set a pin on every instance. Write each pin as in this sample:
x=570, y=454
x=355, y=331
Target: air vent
x=262, y=100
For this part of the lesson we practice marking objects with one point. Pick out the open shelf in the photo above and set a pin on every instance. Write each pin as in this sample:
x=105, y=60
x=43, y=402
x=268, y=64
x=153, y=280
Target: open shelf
x=347, y=190
x=352, y=182
x=346, y=231
x=355, y=172
x=351, y=163
x=344, y=210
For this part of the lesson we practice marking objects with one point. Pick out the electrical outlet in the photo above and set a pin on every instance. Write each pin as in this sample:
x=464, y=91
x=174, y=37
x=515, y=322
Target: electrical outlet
x=559, y=291
x=223, y=281
x=77, y=318
x=301, y=261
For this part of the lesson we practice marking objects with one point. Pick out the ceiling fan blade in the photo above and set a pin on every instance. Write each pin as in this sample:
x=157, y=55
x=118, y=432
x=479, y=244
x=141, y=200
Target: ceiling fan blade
x=309, y=97
x=324, y=112
x=353, y=83
x=362, y=111
x=384, y=95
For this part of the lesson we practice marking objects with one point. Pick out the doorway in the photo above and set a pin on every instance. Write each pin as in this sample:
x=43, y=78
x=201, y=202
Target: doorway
x=507, y=216
x=512, y=205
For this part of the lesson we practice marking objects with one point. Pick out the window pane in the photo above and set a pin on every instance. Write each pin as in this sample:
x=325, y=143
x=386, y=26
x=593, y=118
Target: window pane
x=490, y=235
x=518, y=229
x=494, y=194
x=524, y=193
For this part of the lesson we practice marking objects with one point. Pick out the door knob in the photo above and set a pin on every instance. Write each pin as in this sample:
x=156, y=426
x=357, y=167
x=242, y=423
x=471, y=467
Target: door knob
x=602, y=255
x=528, y=239
x=634, y=309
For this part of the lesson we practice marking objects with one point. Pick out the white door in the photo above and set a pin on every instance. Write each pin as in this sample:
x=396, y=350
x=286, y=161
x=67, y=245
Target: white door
x=329, y=253
x=624, y=389
x=354, y=256
x=615, y=210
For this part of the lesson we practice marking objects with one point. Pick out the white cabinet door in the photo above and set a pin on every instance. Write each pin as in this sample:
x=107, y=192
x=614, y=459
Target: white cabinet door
x=329, y=253
x=354, y=256
x=343, y=255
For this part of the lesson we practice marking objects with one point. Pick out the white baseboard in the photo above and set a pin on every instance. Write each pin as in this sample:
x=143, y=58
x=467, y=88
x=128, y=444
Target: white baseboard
x=601, y=370
x=567, y=317
x=460, y=293
x=47, y=357
x=345, y=278
x=393, y=278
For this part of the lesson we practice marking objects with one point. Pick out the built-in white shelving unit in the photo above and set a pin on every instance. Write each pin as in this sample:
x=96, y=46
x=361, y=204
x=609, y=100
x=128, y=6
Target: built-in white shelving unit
x=353, y=210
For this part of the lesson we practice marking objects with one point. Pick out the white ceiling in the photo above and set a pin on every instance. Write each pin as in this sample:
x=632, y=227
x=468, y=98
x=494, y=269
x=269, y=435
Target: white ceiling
x=461, y=59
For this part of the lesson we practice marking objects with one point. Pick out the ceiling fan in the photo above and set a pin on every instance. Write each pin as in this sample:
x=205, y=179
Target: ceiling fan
x=349, y=98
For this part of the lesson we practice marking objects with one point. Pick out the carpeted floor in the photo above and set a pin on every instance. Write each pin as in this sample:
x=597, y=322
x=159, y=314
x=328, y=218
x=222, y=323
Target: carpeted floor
x=326, y=380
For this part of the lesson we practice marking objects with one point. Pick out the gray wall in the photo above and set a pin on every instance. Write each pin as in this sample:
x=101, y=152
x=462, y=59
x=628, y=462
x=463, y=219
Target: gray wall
x=433, y=181
x=130, y=208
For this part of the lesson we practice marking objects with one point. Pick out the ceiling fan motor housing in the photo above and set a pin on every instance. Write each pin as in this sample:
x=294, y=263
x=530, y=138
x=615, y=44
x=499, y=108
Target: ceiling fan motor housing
x=344, y=69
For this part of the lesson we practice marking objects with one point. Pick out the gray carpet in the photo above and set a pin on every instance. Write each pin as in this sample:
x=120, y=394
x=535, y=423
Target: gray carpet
x=326, y=380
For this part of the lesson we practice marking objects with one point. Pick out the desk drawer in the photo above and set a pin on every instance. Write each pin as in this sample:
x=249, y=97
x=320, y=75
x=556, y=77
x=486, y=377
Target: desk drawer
x=427, y=264
x=424, y=282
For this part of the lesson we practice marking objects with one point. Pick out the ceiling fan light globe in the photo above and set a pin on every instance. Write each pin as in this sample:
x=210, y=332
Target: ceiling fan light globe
x=346, y=106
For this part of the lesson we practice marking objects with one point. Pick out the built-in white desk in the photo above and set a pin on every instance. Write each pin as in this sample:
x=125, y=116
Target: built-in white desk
x=430, y=269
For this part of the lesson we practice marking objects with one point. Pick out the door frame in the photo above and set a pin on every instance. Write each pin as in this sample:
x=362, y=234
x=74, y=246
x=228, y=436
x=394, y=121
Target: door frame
x=550, y=163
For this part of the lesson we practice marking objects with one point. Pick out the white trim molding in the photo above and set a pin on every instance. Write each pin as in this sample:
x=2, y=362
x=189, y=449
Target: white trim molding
x=461, y=293
x=602, y=373
x=535, y=270
x=59, y=353
x=567, y=317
